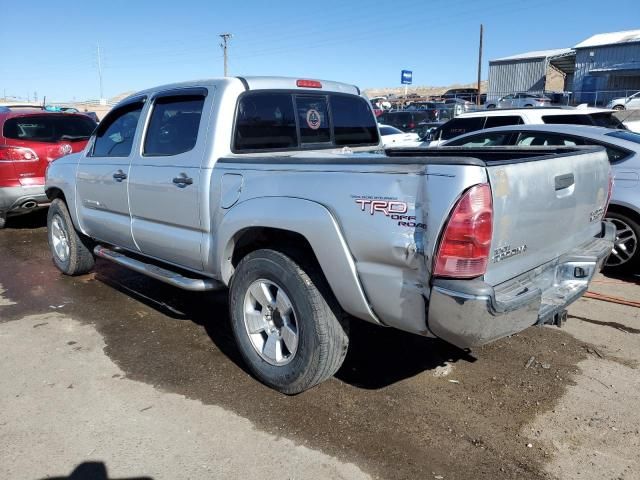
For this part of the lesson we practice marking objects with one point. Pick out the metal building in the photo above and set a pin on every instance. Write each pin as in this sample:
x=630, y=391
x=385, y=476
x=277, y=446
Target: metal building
x=607, y=66
x=531, y=71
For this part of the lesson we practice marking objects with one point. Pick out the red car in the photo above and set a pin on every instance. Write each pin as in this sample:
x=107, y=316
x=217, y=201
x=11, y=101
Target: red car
x=30, y=138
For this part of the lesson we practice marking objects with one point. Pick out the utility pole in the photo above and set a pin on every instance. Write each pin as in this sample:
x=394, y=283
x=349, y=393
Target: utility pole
x=99, y=52
x=479, y=65
x=225, y=38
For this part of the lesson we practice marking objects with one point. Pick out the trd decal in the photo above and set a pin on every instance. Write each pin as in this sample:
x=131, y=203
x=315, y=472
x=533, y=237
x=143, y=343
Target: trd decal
x=383, y=206
x=393, y=209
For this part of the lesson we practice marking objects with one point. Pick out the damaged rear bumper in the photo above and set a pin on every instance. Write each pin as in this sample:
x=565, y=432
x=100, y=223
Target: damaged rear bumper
x=470, y=313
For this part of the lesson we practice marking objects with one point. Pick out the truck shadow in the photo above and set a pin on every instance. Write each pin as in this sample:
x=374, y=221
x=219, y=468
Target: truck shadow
x=28, y=221
x=377, y=357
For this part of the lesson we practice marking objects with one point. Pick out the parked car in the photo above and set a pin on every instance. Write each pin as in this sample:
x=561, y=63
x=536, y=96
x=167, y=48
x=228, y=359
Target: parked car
x=257, y=188
x=469, y=94
x=470, y=122
x=381, y=102
x=623, y=151
x=520, y=99
x=393, y=137
x=407, y=120
x=31, y=138
x=459, y=106
x=626, y=103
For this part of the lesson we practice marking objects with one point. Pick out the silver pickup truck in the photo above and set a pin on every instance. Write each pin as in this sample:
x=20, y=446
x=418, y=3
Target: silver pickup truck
x=278, y=189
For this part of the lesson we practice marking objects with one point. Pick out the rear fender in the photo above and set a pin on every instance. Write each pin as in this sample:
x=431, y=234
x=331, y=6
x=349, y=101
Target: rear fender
x=314, y=222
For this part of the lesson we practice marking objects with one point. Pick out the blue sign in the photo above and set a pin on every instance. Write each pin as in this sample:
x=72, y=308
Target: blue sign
x=406, y=77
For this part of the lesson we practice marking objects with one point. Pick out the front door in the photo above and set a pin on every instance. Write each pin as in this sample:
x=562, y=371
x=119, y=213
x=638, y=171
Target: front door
x=166, y=183
x=102, y=177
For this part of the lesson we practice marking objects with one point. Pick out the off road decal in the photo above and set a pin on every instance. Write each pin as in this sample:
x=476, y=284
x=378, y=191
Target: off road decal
x=393, y=209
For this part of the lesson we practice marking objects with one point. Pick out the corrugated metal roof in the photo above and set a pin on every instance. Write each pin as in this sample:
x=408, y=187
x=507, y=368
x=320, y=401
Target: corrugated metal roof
x=610, y=39
x=536, y=54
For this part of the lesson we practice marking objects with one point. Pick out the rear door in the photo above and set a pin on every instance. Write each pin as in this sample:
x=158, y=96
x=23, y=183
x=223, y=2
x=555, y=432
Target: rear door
x=102, y=178
x=167, y=185
x=544, y=208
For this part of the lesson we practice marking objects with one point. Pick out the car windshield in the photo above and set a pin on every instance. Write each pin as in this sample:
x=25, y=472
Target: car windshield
x=49, y=128
x=389, y=131
x=625, y=135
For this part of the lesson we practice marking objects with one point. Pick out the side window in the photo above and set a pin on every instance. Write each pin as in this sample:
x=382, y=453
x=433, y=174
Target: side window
x=114, y=136
x=459, y=126
x=353, y=123
x=313, y=118
x=503, y=121
x=542, y=139
x=265, y=121
x=174, y=124
x=493, y=139
x=616, y=155
x=568, y=119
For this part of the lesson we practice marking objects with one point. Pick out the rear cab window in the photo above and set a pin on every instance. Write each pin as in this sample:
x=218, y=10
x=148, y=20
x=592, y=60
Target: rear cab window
x=282, y=120
x=49, y=128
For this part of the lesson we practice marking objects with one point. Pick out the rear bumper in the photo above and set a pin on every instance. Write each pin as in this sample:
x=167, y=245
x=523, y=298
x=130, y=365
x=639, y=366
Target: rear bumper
x=469, y=313
x=13, y=199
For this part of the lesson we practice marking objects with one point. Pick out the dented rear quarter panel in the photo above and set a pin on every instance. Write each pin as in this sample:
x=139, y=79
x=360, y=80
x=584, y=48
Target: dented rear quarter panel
x=392, y=252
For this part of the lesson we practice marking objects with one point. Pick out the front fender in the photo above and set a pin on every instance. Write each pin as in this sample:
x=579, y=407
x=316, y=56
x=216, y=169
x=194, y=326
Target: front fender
x=314, y=222
x=61, y=175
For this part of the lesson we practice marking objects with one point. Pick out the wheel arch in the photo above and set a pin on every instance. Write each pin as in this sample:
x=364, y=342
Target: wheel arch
x=282, y=223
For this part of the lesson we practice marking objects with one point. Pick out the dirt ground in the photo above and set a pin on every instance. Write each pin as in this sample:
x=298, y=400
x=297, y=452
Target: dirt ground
x=116, y=371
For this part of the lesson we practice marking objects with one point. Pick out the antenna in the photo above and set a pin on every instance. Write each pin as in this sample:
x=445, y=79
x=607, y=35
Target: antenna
x=224, y=45
x=99, y=52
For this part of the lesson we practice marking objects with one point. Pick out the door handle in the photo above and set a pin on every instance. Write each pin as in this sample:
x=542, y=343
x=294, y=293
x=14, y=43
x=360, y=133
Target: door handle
x=564, y=181
x=182, y=181
x=120, y=176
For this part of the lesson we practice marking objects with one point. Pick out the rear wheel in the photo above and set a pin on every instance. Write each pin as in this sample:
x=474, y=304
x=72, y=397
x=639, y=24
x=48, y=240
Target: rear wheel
x=625, y=253
x=286, y=322
x=71, y=251
x=618, y=107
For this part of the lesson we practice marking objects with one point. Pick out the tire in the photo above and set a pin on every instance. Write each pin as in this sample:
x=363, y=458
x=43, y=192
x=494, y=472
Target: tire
x=626, y=251
x=63, y=238
x=313, y=314
x=490, y=106
x=618, y=107
x=528, y=105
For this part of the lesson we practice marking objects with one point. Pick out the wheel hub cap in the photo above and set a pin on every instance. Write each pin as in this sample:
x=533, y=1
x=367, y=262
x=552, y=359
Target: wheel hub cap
x=270, y=322
x=59, y=239
x=625, y=244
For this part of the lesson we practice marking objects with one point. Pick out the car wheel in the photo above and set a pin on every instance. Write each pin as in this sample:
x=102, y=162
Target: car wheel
x=528, y=105
x=3, y=221
x=618, y=107
x=72, y=252
x=286, y=322
x=624, y=255
x=490, y=106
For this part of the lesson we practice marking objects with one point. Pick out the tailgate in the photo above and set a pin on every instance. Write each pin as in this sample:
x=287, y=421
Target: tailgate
x=544, y=207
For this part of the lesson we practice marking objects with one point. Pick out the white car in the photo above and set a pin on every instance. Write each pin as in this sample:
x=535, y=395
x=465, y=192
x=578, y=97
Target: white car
x=393, y=137
x=625, y=103
x=520, y=99
x=470, y=122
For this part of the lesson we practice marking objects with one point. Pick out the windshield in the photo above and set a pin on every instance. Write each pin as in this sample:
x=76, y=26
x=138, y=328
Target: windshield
x=49, y=128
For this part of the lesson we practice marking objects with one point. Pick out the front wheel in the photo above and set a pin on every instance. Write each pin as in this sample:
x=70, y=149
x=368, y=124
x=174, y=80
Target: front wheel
x=625, y=253
x=286, y=322
x=71, y=252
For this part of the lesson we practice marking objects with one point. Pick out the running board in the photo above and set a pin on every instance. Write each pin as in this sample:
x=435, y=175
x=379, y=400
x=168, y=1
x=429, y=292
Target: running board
x=159, y=273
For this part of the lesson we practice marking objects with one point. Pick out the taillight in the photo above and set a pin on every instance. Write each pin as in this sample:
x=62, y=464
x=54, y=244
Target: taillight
x=466, y=243
x=308, y=84
x=411, y=125
x=17, y=154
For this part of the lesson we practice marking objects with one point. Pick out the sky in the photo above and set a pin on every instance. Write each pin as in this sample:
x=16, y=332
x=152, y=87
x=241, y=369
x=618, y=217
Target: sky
x=51, y=47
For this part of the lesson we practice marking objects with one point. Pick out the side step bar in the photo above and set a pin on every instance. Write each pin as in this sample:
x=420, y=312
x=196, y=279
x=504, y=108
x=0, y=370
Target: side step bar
x=159, y=273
